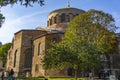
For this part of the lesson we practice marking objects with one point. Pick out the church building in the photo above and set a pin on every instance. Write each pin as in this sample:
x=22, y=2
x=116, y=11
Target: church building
x=27, y=52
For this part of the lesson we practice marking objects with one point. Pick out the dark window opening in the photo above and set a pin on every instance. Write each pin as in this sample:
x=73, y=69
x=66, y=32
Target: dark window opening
x=39, y=48
x=55, y=19
x=70, y=72
x=36, y=68
x=63, y=18
x=28, y=58
x=15, y=58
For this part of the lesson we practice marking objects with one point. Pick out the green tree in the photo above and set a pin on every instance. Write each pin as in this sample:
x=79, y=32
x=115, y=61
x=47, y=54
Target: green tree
x=2, y=19
x=22, y=2
x=3, y=52
x=87, y=36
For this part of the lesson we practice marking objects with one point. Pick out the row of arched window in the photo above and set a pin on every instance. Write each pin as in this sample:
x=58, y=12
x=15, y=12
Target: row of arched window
x=28, y=55
x=28, y=58
x=61, y=18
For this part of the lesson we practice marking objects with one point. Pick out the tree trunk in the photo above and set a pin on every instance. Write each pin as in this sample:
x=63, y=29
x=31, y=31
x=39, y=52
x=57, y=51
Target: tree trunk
x=75, y=76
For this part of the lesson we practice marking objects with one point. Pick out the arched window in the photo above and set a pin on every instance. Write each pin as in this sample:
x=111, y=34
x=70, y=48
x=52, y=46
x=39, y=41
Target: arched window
x=70, y=72
x=59, y=19
x=15, y=55
x=71, y=16
x=68, y=18
x=39, y=48
x=55, y=19
x=63, y=18
x=36, y=68
x=28, y=58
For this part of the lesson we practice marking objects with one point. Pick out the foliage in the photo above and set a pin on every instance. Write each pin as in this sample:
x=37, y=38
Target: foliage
x=87, y=36
x=2, y=19
x=3, y=51
x=22, y=2
x=95, y=28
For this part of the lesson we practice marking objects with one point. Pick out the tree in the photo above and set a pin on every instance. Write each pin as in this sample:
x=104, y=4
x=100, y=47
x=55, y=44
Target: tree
x=62, y=55
x=3, y=52
x=2, y=19
x=94, y=27
x=22, y=2
x=87, y=36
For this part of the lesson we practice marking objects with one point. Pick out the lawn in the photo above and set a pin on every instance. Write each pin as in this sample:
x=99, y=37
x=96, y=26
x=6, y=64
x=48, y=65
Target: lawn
x=65, y=79
x=50, y=79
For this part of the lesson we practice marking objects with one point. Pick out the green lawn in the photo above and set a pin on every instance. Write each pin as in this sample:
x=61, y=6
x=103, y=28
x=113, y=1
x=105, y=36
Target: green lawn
x=30, y=79
x=65, y=79
x=51, y=79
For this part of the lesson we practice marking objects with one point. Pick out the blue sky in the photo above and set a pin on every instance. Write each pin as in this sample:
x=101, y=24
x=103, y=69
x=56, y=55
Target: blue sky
x=19, y=17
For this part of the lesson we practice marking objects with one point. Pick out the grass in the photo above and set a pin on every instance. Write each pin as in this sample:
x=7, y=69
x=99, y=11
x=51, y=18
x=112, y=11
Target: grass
x=51, y=79
x=65, y=79
x=30, y=79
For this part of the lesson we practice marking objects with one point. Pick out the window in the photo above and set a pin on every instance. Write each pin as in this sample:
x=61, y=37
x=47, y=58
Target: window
x=63, y=18
x=15, y=55
x=28, y=58
x=59, y=19
x=36, y=68
x=70, y=72
x=68, y=18
x=39, y=48
x=55, y=19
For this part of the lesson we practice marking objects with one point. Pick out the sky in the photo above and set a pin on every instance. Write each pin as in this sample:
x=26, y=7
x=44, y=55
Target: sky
x=20, y=17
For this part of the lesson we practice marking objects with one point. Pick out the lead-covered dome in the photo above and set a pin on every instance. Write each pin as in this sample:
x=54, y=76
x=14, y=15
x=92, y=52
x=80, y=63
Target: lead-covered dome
x=67, y=11
x=59, y=18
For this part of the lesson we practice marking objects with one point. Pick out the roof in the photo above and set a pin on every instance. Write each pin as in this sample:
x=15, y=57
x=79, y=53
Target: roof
x=47, y=34
x=67, y=10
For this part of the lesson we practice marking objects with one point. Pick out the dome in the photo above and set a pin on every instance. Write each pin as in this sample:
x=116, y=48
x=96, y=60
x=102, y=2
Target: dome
x=60, y=18
x=67, y=10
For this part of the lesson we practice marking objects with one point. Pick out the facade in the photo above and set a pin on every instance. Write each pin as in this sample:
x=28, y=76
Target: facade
x=27, y=52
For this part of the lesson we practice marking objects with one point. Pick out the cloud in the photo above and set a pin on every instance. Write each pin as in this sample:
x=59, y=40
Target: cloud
x=14, y=24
